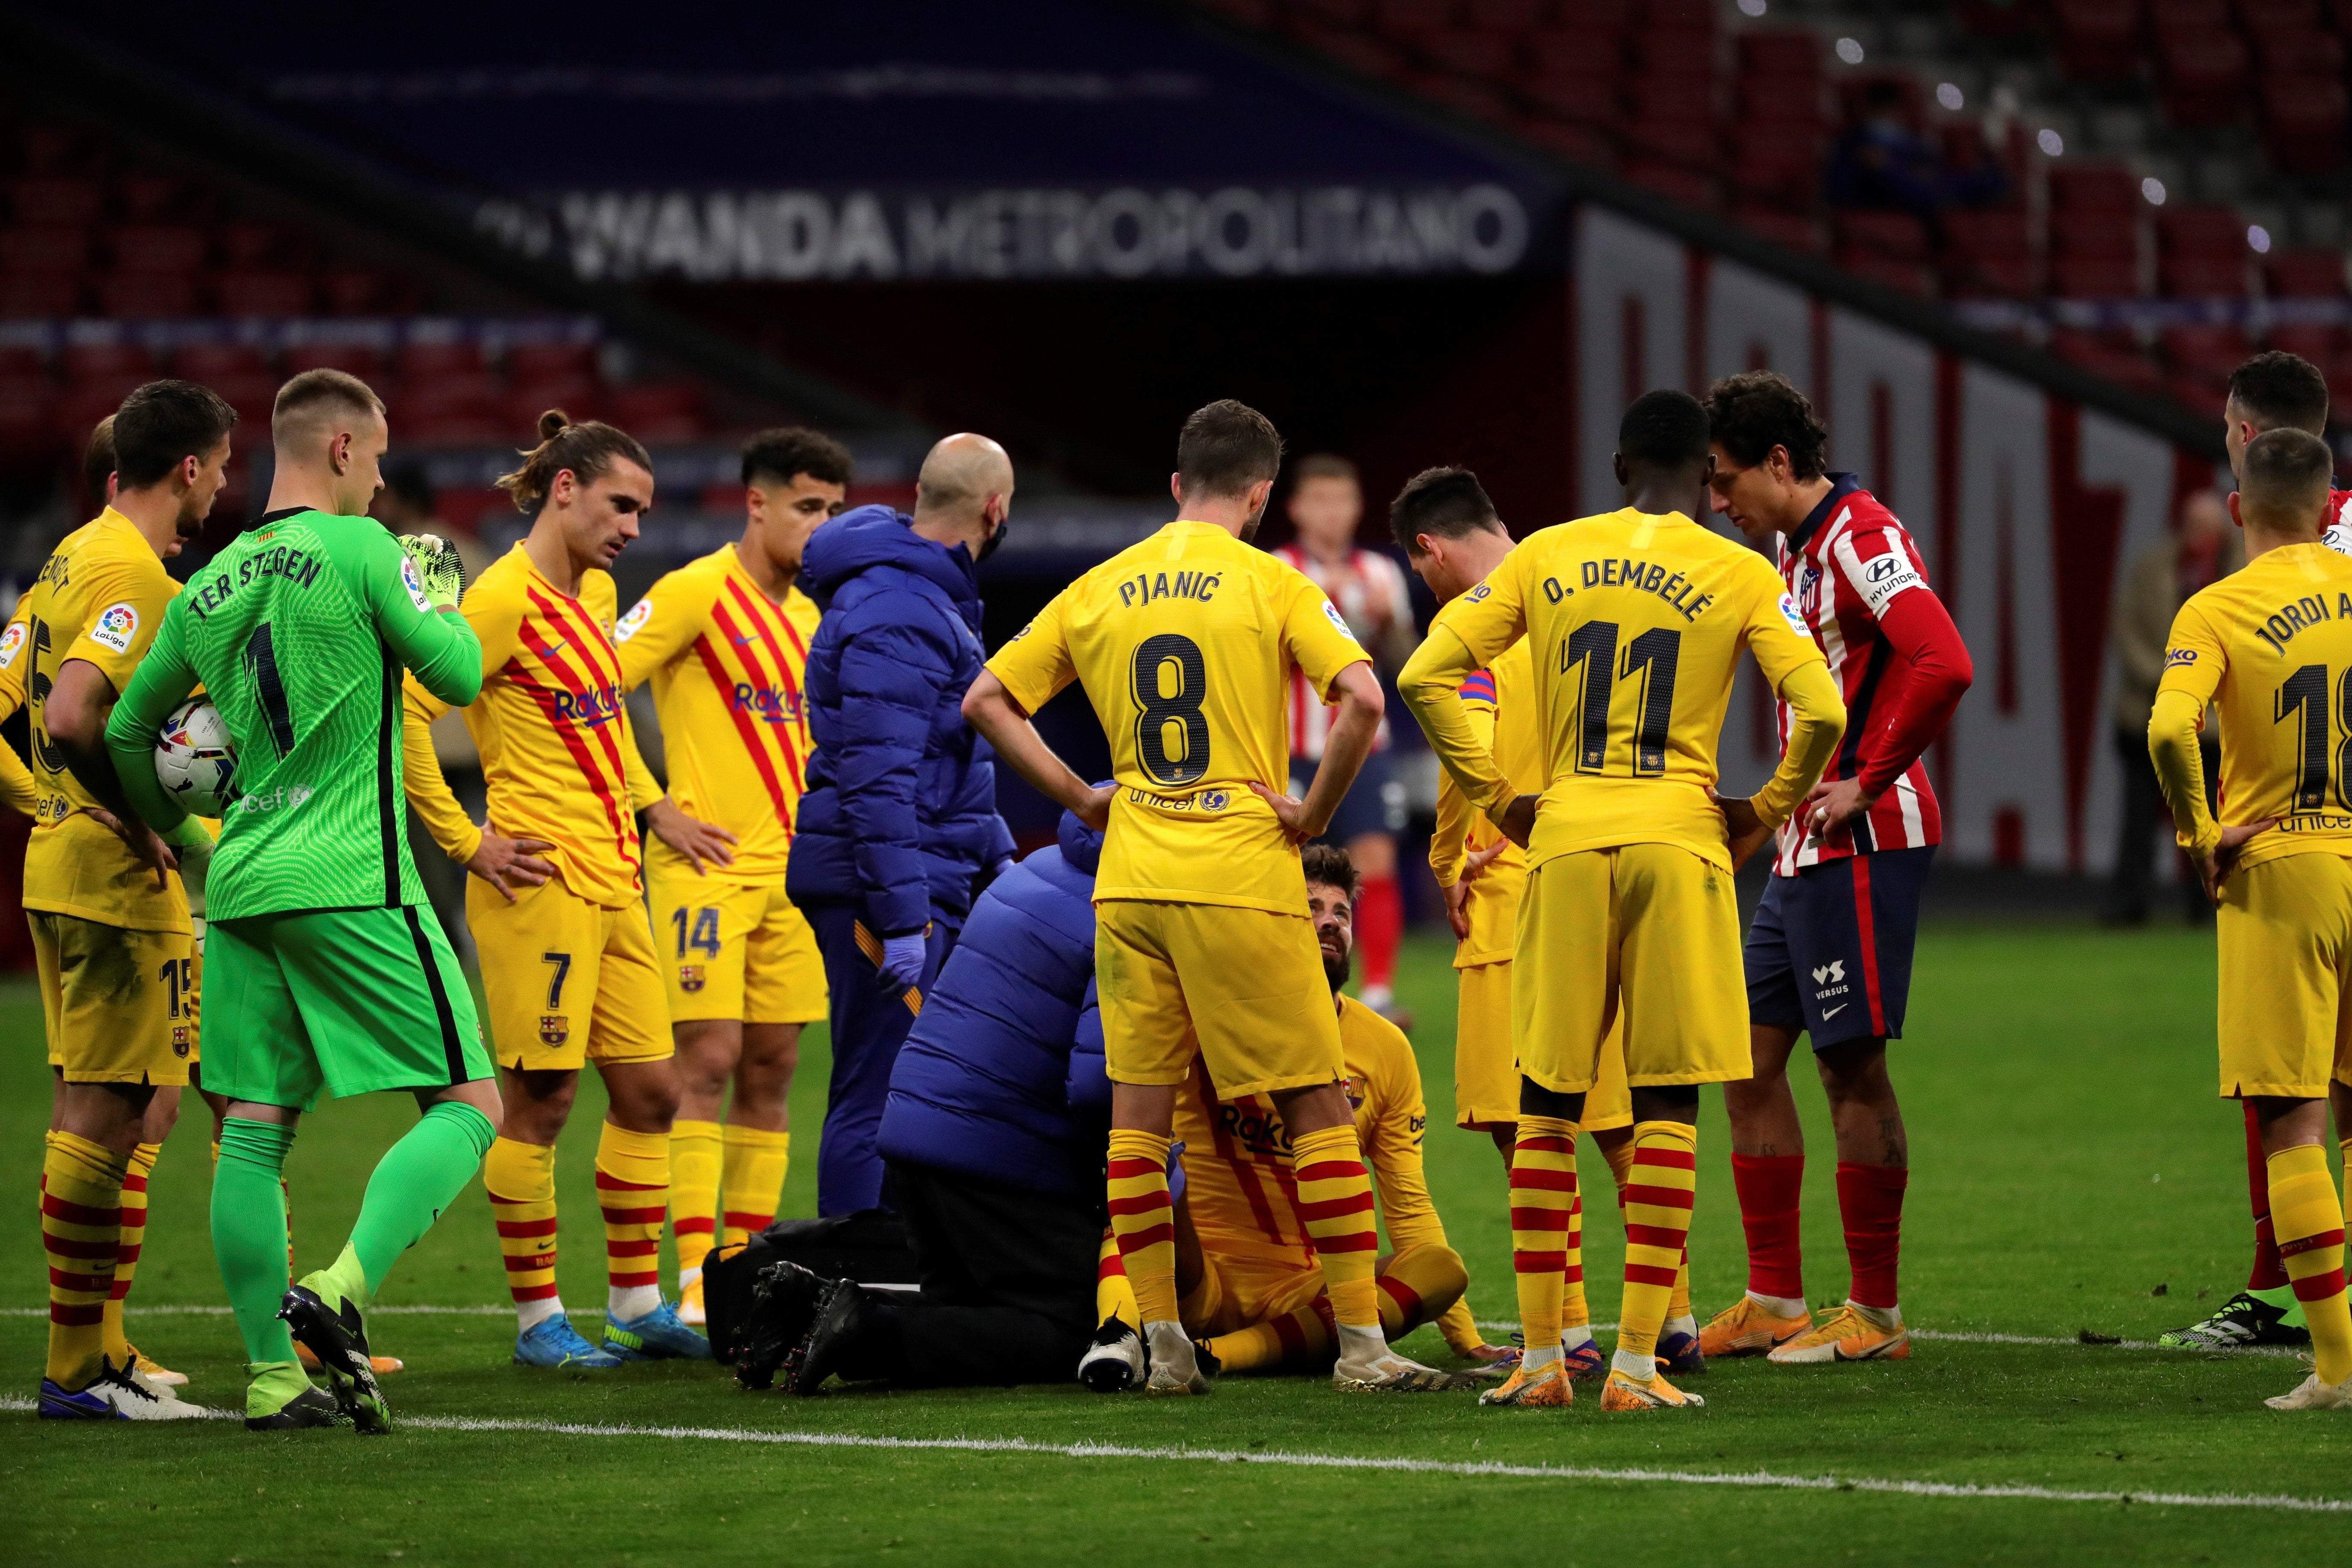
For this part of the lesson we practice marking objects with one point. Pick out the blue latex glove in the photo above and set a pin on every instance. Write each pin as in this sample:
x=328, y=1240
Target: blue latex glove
x=902, y=960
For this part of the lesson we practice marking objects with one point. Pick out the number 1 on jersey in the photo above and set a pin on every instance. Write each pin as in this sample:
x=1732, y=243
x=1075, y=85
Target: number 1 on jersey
x=1652, y=656
x=2303, y=696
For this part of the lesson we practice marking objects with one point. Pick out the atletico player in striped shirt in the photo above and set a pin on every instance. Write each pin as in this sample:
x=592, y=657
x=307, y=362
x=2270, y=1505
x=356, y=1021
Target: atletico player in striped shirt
x=1829, y=953
x=556, y=907
x=724, y=640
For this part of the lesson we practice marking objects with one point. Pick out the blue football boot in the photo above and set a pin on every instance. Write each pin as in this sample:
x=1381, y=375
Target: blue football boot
x=657, y=1336
x=553, y=1342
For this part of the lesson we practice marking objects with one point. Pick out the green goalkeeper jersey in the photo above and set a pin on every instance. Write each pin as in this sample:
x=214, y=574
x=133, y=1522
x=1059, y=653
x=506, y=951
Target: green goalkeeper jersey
x=299, y=631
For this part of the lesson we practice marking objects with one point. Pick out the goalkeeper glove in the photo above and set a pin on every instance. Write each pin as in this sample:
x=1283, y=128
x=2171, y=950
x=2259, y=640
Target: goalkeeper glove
x=438, y=569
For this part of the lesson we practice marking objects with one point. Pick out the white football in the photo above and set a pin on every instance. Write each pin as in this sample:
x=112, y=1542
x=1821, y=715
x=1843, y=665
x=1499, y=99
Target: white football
x=194, y=761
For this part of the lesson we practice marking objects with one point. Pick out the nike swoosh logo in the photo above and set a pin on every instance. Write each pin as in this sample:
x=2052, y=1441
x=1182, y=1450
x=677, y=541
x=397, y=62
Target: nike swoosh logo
x=556, y=647
x=741, y=642
x=1833, y=1012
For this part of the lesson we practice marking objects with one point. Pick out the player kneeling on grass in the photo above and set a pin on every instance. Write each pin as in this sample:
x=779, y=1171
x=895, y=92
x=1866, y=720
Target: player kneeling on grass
x=327, y=971
x=992, y=1135
x=1250, y=1291
x=2270, y=648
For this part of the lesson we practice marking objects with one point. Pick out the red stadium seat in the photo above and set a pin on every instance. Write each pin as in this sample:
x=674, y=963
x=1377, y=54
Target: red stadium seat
x=2202, y=277
x=2094, y=277
x=1897, y=237
x=1998, y=18
x=158, y=198
x=44, y=249
x=358, y=292
x=578, y=396
x=56, y=202
x=358, y=358
x=1676, y=182
x=2322, y=346
x=1789, y=230
x=1780, y=163
x=208, y=362
x=101, y=360
x=2274, y=15
x=2206, y=349
x=2303, y=124
x=2298, y=51
x=2204, y=77
x=263, y=293
x=1411, y=18
x=458, y=408
x=34, y=296
x=2089, y=187
x=2306, y=274
x=1589, y=97
x=2098, y=40
x=1579, y=143
x=2118, y=361
x=435, y=358
x=147, y=294
x=1889, y=272
x=1779, y=51
x=546, y=361
x=2209, y=231
x=251, y=394
x=1507, y=16
x=20, y=364
x=157, y=247
x=1686, y=141
x=666, y=412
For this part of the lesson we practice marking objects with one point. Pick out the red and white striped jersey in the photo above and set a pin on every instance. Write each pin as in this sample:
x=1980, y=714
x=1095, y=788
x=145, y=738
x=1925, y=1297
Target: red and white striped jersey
x=1369, y=591
x=1847, y=562
x=2337, y=533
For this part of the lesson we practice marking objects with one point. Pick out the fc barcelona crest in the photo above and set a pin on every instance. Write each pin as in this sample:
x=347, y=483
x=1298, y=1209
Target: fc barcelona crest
x=690, y=977
x=180, y=1040
x=554, y=1028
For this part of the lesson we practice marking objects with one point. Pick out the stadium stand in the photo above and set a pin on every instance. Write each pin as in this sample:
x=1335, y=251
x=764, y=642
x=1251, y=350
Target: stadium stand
x=2201, y=209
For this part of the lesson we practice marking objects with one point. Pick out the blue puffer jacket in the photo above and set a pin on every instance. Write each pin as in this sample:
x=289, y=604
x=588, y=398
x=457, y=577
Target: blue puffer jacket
x=994, y=1080
x=899, y=815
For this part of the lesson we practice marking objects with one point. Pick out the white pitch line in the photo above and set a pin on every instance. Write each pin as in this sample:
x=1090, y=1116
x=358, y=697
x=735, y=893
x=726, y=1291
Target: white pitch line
x=1974, y=1338
x=1471, y=1470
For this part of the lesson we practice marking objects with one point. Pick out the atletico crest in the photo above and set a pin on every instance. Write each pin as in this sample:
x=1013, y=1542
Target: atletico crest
x=690, y=977
x=554, y=1028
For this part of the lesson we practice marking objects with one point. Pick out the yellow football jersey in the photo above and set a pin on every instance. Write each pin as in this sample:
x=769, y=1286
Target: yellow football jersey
x=1502, y=705
x=17, y=791
x=725, y=663
x=2269, y=647
x=557, y=751
x=1184, y=644
x=99, y=596
x=1634, y=627
x=1237, y=1177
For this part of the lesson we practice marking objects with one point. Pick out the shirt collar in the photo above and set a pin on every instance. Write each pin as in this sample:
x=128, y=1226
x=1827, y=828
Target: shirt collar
x=1840, y=487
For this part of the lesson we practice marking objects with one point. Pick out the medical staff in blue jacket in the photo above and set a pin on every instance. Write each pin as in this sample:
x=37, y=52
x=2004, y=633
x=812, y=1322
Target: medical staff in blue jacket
x=899, y=825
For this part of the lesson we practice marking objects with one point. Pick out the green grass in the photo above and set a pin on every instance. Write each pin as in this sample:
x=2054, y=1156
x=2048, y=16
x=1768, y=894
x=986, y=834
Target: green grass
x=2072, y=1160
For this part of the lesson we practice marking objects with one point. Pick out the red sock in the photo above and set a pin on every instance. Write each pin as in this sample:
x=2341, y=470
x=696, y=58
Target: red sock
x=1768, y=1187
x=2269, y=1272
x=1870, y=1201
x=1380, y=925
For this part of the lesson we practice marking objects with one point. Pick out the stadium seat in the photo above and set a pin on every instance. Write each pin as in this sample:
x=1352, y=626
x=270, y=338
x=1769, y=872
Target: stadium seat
x=1987, y=252
x=56, y=202
x=1675, y=180
x=1998, y=18
x=147, y=294
x=579, y=396
x=359, y=291
x=34, y=296
x=459, y=408
x=101, y=357
x=209, y=362
x=2094, y=277
x=2201, y=251
x=2118, y=361
x=532, y=361
x=1795, y=231
x=263, y=293
x=159, y=198
x=357, y=358
x=432, y=359
x=2204, y=76
x=2098, y=40
x=151, y=247
x=1579, y=143
x=1894, y=236
x=2306, y=274
x=251, y=394
x=2303, y=124
x=659, y=413
x=44, y=249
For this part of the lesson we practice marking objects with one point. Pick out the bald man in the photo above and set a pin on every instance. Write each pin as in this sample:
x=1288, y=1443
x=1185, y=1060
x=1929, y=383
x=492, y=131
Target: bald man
x=898, y=829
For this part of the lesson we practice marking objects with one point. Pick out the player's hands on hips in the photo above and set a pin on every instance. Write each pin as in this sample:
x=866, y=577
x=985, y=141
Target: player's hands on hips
x=1518, y=819
x=439, y=570
x=144, y=843
x=696, y=840
x=902, y=960
x=2214, y=866
x=1093, y=808
x=507, y=864
x=1289, y=811
x=1457, y=907
x=1834, y=805
x=1743, y=832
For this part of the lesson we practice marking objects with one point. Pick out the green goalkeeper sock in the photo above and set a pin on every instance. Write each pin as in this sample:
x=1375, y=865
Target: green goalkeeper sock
x=417, y=1179
x=249, y=1233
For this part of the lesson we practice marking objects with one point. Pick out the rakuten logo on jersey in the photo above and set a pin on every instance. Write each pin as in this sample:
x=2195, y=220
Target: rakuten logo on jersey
x=772, y=706
x=598, y=705
x=285, y=798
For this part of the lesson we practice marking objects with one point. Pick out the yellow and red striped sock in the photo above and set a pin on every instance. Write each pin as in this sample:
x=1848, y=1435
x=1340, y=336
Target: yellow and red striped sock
x=694, y=1160
x=2309, y=1222
x=1619, y=1152
x=1114, y=1297
x=1417, y=1284
x=520, y=1180
x=1304, y=1336
x=1334, y=1204
x=757, y=1160
x=134, y=1236
x=81, y=1231
x=1657, y=1230
x=1546, y=1244
x=632, y=1187
x=1143, y=1221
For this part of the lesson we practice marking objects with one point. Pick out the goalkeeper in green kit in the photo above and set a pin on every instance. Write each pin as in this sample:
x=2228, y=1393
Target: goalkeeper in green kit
x=324, y=968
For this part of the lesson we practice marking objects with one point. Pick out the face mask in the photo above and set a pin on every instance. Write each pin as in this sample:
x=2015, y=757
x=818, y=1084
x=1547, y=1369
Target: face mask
x=994, y=540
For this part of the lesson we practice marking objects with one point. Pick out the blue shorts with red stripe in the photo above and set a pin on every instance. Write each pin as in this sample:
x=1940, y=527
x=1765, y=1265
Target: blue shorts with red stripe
x=1829, y=953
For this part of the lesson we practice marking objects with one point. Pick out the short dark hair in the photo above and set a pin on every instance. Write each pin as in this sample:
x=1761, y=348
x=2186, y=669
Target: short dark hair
x=782, y=455
x=589, y=449
x=319, y=392
x=1323, y=466
x=1328, y=864
x=1663, y=429
x=163, y=423
x=1448, y=503
x=2288, y=470
x=1225, y=448
x=97, y=462
x=2277, y=390
x=1754, y=412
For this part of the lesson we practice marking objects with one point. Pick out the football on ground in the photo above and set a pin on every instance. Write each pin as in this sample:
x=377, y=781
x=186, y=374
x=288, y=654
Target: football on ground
x=2077, y=1184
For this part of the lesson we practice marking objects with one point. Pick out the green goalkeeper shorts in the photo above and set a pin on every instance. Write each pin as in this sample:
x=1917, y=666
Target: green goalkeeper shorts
x=353, y=1001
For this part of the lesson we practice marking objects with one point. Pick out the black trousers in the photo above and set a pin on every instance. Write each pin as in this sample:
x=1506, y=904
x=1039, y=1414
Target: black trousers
x=1007, y=1283
x=2131, y=888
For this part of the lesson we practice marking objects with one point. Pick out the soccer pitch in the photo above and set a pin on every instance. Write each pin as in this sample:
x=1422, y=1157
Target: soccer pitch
x=2074, y=1172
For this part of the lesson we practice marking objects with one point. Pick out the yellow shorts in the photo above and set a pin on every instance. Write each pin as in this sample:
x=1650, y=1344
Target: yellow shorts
x=114, y=1000
x=2284, y=933
x=566, y=981
x=1242, y=989
x=1235, y=1292
x=1638, y=942
x=1486, y=1067
x=733, y=951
